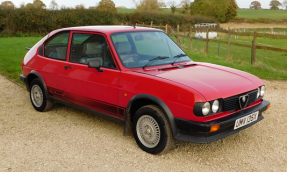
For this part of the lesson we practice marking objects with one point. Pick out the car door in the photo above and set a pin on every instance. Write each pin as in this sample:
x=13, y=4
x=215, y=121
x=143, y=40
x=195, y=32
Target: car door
x=86, y=86
x=50, y=64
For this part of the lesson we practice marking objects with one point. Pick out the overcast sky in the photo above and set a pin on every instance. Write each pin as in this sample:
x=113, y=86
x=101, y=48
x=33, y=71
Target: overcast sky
x=126, y=3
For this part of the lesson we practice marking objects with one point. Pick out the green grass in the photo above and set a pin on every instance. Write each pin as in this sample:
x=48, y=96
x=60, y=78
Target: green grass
x=12, y=51
x=270, y=65
x=255, y=14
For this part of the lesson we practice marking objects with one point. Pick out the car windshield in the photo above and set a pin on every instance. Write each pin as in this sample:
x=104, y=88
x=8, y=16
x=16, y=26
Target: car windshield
x=142, y=49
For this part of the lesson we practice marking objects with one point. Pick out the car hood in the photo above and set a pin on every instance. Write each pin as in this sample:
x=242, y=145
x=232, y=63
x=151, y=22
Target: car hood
x=212, y=81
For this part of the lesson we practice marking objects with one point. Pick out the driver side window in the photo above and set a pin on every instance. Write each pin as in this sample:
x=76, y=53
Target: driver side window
x=86, y=47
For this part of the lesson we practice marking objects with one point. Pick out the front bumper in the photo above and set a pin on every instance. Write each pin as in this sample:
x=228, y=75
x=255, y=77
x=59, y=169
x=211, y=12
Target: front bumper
x=198, y=132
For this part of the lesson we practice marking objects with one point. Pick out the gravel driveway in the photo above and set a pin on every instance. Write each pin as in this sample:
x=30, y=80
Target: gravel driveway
x=66, y=139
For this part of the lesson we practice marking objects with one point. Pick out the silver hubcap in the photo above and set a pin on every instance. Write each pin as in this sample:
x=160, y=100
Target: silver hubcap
x=37, y=96
x=148, y=131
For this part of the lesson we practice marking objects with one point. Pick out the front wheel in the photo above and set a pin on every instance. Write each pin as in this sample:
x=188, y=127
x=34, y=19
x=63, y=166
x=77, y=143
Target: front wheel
x=152, y=130
x=38, y=97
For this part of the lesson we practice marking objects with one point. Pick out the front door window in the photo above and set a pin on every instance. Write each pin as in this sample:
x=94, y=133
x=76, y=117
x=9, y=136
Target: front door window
x=86, y=47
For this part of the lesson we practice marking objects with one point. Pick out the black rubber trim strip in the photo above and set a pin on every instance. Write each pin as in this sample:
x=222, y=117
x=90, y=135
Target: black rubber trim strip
x=87, y=110
x=199, y=132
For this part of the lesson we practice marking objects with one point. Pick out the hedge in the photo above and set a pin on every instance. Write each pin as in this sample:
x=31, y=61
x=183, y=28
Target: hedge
x=42, y=21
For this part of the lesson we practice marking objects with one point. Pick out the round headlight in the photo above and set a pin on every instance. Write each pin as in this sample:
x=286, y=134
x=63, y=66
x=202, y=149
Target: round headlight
x=258, y=93
x=206, y=108
x=262, y=91
x=215, y=106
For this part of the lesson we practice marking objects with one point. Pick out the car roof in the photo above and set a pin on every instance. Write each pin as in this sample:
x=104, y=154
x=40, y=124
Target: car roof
x=104, y=29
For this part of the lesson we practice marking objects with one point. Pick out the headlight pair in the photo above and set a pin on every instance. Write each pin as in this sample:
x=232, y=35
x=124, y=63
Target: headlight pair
x=261, y=91
x=207, y=108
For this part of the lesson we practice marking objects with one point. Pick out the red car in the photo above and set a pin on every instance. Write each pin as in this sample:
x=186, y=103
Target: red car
x=141, y=77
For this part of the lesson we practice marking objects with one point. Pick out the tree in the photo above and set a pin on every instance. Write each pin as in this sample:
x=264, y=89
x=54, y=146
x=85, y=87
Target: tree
x=255, y=5
x=231, y=12
x=81, y=6
x=172, y=5
x=53, y=5
x=161, y=4
x=222, y=10
x=147, y=5
x=107, y=5
x=284, y=4
x=274, y=5
x=7, y=5
x=36, y=4
x=185, y=5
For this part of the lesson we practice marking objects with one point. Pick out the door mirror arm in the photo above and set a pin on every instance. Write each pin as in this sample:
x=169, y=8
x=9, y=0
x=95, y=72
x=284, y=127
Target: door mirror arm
x=95, y=64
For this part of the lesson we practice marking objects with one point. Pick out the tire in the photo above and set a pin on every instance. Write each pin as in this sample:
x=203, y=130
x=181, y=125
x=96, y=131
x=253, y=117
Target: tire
x=38, y=97
x=152, y=130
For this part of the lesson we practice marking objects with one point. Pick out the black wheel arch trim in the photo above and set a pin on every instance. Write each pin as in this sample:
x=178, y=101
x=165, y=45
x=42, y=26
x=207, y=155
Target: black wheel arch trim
x=42, y=81
x=159, y=102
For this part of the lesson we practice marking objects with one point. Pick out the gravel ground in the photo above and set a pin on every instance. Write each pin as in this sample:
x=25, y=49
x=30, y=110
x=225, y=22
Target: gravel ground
x=66, y=139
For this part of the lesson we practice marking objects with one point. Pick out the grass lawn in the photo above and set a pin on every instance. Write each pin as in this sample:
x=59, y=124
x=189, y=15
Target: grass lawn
x=270, y=65
x=255, y=14
x=12, y=51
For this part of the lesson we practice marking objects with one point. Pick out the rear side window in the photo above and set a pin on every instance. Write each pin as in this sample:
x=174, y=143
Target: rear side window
x=57, y=46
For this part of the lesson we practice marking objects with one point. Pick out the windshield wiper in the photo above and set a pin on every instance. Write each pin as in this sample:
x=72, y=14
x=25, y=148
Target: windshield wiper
x=155, y=59
x=177, y=57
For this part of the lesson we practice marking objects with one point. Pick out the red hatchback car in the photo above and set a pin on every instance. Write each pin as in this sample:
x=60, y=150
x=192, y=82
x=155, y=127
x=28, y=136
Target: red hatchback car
x=141, y=77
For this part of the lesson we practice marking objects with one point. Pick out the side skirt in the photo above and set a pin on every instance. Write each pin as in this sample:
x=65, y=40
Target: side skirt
x=87, y=110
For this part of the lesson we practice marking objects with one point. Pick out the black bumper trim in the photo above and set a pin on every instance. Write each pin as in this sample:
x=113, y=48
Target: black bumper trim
x=198, y=132
x=23, y=78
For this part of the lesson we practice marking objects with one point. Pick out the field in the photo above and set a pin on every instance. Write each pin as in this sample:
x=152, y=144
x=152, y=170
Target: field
x=12, y=51
x=270, y=65
x=255, y=14
x=241, y=13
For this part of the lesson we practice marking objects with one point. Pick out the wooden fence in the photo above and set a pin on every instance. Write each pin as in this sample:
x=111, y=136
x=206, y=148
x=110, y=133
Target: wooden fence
x=229, y=33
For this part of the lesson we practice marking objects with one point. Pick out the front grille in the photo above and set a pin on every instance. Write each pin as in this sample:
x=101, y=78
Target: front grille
x=232, y=103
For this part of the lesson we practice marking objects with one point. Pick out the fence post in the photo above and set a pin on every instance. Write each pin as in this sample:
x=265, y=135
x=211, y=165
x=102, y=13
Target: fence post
x=229, y=40
x=151, y=24
x=159, y=26
x=126, y=23
x=143, y=24
x=190, y=35
x=254, y=48
x=219, y=46
x=178, y=34
x=166, y=28
x=207, y=34
x=122, y=24
x=136, y=24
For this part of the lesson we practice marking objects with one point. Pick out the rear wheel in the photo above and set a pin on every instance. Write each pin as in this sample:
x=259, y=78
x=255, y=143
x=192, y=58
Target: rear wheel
x=152, y=130
x=38, y=97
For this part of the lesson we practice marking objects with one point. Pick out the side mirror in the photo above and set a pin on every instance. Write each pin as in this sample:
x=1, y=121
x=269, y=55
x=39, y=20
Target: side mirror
x=95, y=64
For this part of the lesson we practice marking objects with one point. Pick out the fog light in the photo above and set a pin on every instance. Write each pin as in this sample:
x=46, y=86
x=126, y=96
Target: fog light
x=214, y=128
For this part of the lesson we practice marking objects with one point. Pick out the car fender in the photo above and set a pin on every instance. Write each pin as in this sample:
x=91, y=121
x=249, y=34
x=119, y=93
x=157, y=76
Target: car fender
x=159, y=102
x=42, y=81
